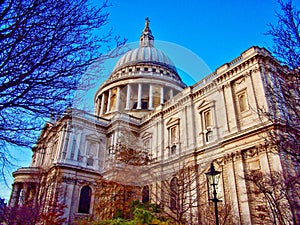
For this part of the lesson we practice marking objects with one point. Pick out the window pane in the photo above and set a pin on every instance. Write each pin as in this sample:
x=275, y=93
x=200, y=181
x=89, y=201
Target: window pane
x=207, y=119
x=85, y=200
x=145, y=194
x=173, y=135
x=174, y=195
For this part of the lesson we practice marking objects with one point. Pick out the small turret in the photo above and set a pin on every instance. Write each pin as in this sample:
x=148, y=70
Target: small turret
x=147, y=39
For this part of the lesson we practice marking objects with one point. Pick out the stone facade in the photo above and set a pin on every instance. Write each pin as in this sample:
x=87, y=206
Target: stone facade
x=215, y=120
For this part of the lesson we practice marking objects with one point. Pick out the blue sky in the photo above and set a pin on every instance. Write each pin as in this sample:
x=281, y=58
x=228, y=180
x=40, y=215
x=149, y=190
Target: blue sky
x=217, y=31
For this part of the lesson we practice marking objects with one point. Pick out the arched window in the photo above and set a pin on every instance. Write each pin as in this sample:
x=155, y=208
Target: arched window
x=174, y=195
x=145, y=194
x=85, y=200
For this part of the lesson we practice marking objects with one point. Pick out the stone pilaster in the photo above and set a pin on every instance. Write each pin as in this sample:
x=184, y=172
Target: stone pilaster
x=241, y=189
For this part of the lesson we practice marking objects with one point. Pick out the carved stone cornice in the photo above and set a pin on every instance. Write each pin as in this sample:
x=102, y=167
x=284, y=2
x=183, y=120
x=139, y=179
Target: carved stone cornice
x=242, y=155
x=69, y=180
x=256, y=69
x=250, y=153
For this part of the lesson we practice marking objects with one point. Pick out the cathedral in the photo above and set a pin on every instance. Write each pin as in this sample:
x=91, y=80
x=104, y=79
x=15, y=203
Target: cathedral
x=144, y=104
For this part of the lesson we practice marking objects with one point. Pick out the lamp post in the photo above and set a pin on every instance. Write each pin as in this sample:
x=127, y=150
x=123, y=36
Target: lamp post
x=213, y=177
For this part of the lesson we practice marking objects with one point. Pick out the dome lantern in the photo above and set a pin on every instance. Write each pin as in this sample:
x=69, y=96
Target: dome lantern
x=147, y=39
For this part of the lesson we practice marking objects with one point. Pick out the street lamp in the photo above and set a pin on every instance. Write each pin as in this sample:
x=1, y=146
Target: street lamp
x=213, y=177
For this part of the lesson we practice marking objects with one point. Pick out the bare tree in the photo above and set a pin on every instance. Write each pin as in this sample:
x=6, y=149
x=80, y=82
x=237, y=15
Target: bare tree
x=208, y=215
x=183, y=197
x=273, y=203
x=283, y=88
x=45, y=48
x=39, y=201
x=283, y=95
x=181, y=194
x=120, y=185
x=128, y=159
x=286, y=35
x=114, y=199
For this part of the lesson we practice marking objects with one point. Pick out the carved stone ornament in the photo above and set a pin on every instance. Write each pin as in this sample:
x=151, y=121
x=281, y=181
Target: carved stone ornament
x=69, y=180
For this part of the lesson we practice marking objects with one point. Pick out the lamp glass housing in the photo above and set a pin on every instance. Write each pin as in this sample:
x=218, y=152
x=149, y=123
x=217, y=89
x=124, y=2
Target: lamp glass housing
x=213, y=177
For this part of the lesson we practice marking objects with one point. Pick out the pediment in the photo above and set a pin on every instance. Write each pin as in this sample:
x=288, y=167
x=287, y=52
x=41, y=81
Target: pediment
x=146, y=135
x=173, y=121
x=94, y=137
x=202, y=104
x=205, y=103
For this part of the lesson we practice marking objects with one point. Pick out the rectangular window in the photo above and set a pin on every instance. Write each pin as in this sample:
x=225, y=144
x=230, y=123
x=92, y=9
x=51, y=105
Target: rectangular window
x=173, y=134
x=208, y=136
x=173, y=139
x=207, y=119
x=207, y=125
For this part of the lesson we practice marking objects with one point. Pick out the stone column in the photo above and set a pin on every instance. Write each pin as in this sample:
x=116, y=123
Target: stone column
x=68, y=132
x=139, y=104
x=251, y=92
x=69, y=189
x=162, y=95
x=70, y=145
x=127, y=107
x=231, y=112
x=60, y=147
x=102, y=104
x=15, y=194
x=171, y=93
x=97, y=107
x=229, y=174
x=227, y=128
x=241, y=190
x=215, y=124
x=108, y=101
x=150, y=97
x=24, y=196
x=96, y=157
x=118, y=99
x=78, y=143
x=85, y=154
x=115, y=140
x=32, y=191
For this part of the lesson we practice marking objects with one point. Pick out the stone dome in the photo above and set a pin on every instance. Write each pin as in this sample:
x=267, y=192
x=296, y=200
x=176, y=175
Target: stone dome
x=144, y=54
x=143, y=78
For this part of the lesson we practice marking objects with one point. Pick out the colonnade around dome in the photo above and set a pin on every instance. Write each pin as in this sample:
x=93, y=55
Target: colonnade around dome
x=133, y=96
